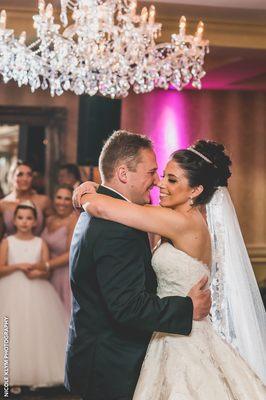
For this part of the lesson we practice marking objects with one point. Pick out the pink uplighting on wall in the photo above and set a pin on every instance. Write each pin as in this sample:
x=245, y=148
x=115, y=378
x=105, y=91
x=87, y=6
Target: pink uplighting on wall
x=166, y=126
x=161, y=115
x=168, y=133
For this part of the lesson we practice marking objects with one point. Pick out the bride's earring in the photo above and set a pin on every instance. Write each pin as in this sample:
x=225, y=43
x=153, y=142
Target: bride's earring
x=191, y=202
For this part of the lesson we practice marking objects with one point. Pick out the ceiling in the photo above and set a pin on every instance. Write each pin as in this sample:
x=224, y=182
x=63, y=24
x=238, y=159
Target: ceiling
x=244, y=4
x=235, y=69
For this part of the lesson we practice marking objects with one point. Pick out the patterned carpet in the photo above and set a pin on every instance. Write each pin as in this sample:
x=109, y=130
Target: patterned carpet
x=57, y=393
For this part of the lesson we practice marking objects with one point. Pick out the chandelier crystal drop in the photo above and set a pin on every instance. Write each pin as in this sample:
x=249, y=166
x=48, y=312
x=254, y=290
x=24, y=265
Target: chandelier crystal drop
x=107, y=48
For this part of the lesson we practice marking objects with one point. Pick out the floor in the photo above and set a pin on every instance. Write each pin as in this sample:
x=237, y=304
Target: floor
x=57, y=393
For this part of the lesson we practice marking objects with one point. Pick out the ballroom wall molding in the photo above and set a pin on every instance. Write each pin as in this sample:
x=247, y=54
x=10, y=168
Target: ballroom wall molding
x=224, y=27
x=257, y=256
x=11, y=97
x=34, y=115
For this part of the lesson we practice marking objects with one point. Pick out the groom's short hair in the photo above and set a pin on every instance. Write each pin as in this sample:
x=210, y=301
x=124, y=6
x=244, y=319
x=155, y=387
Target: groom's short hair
x=122, y=146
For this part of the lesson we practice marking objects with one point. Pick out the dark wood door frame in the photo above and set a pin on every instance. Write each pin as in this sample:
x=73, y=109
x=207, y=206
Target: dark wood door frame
x=45, y=116
x=53, y=119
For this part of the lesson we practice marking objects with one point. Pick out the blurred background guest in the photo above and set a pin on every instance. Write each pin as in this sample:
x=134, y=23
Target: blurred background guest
x=69, y=174
x=22, y=191
x=38, y=182
x=58, y=234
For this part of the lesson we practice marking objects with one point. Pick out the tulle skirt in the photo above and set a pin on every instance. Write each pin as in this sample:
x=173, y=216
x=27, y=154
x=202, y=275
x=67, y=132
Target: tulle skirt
x=34, y=326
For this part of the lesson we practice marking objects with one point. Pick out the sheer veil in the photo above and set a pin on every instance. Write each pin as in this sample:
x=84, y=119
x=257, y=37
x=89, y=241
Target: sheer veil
x=238, y=313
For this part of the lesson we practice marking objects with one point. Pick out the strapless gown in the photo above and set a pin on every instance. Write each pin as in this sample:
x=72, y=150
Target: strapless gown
x=201, y=366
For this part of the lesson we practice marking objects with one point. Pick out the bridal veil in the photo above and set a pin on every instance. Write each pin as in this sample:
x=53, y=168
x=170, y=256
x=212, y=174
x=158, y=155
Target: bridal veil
x=238, y=313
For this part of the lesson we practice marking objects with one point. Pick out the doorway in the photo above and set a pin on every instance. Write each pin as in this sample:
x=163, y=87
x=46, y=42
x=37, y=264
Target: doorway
x=31, y=134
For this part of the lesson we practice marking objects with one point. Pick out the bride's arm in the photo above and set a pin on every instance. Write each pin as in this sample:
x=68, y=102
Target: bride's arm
x=163, y=221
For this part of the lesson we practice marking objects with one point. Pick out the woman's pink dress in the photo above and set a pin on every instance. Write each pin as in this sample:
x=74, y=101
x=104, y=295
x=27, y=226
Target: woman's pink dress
x=57, y=243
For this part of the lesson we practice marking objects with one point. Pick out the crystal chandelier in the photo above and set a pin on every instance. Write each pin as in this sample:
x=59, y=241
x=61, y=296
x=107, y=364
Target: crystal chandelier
x=108, y=48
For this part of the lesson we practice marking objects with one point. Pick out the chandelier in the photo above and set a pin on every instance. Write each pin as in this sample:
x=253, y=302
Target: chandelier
x=107, y=48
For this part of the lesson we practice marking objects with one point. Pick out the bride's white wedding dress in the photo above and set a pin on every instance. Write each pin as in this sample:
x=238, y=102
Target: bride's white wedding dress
x=201, y=366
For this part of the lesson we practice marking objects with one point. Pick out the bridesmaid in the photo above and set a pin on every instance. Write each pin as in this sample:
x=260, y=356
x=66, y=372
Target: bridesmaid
x=58, y=234
x=22, y=191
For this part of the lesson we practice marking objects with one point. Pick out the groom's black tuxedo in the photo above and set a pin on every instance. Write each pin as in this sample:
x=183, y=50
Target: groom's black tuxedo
x=115, y=308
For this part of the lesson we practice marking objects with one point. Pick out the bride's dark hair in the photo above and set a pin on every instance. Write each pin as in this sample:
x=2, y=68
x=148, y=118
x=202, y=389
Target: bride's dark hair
x=201, y=172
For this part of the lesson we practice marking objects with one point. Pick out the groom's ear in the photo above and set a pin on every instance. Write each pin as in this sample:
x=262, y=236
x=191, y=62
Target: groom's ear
x=122, y=173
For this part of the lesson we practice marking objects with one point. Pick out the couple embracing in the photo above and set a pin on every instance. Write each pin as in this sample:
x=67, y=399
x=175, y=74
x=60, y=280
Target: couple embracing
x=141, y=326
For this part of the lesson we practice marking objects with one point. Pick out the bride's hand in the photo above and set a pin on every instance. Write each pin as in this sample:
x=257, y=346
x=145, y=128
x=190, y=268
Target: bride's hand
x=86, y=187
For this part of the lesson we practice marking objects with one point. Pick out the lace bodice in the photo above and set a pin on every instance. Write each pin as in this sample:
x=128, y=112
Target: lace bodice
x=176, y=271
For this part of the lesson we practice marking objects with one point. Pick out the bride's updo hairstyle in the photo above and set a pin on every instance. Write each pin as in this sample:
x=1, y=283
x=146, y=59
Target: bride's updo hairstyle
x=211, y=169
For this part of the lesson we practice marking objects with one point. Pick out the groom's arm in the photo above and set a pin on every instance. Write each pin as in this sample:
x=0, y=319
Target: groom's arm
x=121, y=277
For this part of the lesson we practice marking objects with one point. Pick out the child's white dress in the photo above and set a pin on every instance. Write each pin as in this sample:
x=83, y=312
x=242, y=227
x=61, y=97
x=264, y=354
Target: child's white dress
x=37, y=322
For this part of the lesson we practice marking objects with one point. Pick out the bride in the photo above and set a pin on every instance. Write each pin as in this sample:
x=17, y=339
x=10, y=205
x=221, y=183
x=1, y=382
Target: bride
x=224, y=357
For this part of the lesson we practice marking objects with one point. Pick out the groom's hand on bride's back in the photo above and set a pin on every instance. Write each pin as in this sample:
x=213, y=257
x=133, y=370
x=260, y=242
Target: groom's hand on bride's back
x=201, y=299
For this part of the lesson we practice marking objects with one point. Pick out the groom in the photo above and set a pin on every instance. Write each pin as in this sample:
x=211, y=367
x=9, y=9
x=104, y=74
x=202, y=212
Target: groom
x=115, y=306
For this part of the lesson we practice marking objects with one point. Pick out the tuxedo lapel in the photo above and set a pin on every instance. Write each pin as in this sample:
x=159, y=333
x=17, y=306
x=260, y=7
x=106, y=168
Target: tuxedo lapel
x=151, y=281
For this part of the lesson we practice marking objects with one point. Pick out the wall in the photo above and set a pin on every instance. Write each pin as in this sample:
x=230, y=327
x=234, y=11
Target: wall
x=238, y=119
x=174, y=120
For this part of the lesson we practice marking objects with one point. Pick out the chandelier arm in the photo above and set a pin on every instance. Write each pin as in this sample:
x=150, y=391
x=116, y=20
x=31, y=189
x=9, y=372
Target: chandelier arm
x=32, y=45
x=108, y=48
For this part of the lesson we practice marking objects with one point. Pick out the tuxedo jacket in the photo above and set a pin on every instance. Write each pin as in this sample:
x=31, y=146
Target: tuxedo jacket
x=115, y=308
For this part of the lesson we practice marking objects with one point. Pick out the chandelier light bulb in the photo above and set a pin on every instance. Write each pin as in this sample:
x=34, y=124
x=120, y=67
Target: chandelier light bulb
x=49, y=11
x=41, y=6
x=200, y=29
x=151, y=15
x=22, y=37
x=133, y=7
x=3, y=20
x=108, y=47
x=144, y=15
x=182, y=25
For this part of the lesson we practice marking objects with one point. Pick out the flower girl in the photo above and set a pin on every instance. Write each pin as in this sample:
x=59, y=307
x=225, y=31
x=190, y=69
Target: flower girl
x=35, y=319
